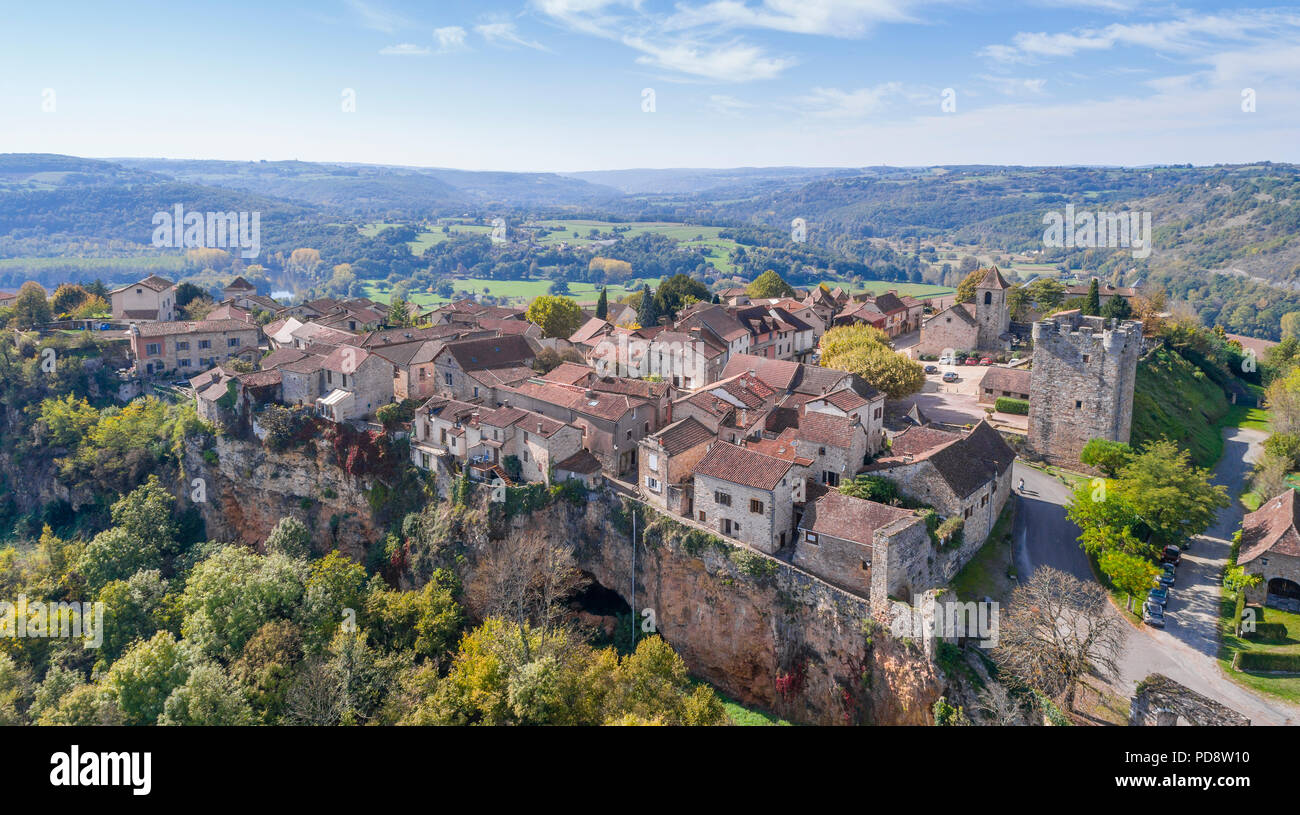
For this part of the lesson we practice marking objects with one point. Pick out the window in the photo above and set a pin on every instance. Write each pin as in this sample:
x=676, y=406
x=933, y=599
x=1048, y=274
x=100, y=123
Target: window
x=966, y=512
x=988, y=298
x=1078, y=403
x=702, y=518
x=984, y=500
x=182, y=346
x=424, y=460
x=153, y=349
x=722, y=498
x=830, y=478
x=652, y=483
x=447, y=378
x=877, y=416
x=184, y=363
x=233, y=342
x=756, y=506
x=1086, y=357
x=653, y=461
x=205, y=345
x=810, y=537
x=821, y=451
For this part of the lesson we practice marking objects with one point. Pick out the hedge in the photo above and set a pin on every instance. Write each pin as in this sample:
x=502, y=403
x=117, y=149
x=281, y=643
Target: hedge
x=1266, y=661
x=1267, y=631
x=1006, y=404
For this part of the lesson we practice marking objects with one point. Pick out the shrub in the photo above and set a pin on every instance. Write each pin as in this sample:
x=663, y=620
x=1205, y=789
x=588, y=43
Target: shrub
x=1266, y=661
x=1275, y=632
x=1006, y=404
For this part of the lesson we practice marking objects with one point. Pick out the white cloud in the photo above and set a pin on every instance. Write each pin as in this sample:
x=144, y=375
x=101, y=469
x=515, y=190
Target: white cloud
x=833, y=103
x=404, y=49
x=505, y=34
x=1014, y=86
x=832, y=18
x=376, y=18
x=450, y=38
x=734, y=62
x=725, y=105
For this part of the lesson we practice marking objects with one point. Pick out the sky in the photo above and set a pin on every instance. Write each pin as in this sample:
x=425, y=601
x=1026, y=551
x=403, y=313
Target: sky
x=569, y=85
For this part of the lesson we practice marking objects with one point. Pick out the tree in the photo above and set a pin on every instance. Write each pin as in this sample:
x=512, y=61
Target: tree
x=1092, y=306
x=1117, y=308
x=30, y=307
x=677, y=292
x=198, y=308
x=1019, y=301
x=1105, y=455
x=1174, y=498
x=556, y=316
x=966, y=288
x=207, y=699
x=289, y=537
x=142, y=679
x=1057, y=630
x=67, y=299
x=1291, y=325
x=1132, y=574
x=1047, y=294
x=229, y=596
x=602, y=303
x=399, y=313
x=860, y=349
x=768, y=285
x=647, y=313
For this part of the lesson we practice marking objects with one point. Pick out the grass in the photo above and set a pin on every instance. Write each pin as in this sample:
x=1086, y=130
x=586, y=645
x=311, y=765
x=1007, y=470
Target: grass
x=881, y=286
x=987, y=574
x=1175, y=399
x=1283, y=687
x=1249, y=418
x=749, y=717
x=518, y=291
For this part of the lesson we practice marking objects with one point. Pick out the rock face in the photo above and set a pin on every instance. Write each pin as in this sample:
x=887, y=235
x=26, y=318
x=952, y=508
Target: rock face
x=248, y=489
x=765, y=633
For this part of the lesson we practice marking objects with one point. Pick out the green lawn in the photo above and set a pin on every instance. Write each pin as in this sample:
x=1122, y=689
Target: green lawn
x=1251, y=418
x=881, y=286
x=1283, y=687
x=749, y=717
x=988, y=574
x=519, y=292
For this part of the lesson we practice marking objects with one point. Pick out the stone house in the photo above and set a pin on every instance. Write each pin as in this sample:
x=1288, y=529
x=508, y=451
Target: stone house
x=355, y=384
x=413, y=372
x=961, y=476
x=462, y=369
x=775, y=333
x=237, y=288
x=1270, y=548
x=847, y=402
x=999, y=382
x=667, y=462
x=748, y=496
x=153, y=298
x=837, y=445
x=983, y=325
x=537, y=442
x=159, y=348
x=871, y=549
x=717, y=322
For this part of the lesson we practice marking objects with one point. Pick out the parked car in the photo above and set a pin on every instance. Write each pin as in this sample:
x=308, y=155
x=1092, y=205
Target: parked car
x=972, y=361
x=986, y=361
x=1013, y=362
x=1170, y=571
x=1172, y=554
x=1160, y=596
x=1164, y=580
x=947, y=361
x=951, y=376
x=1153, y=615
x=932, y=369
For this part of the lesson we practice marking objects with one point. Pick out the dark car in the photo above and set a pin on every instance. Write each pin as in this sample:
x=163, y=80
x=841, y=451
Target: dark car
x=1160, y=596
x=1153, y=616
x=1172, y=554
x=1164, y=580
x=932, y=369
x=951, y=376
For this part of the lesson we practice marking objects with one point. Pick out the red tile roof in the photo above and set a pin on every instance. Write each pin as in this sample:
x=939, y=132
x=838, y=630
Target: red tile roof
x=1272, y=529
x=851, y=519
x=737, y=465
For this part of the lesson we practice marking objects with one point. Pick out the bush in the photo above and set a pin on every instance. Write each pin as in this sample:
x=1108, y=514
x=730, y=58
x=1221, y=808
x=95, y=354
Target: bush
x=1275, y=632
x=1006, y=404
x=1266, y=661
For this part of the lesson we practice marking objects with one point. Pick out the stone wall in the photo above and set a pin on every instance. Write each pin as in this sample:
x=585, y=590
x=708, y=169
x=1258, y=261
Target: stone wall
x=1081, y=384
x=1162, y=701
x=761, y=530
x=945, y=331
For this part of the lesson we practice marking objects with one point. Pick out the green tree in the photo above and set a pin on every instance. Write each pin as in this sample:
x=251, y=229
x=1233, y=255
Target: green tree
x=1116, y=308
x=647, y=313
x=767, y=285
x=30, y=307
x=142, y=679
x=1132, y=574
x=207, y=699
x=602, y=303
x=1092, y=306
x=966, y=288
x=679, y=291
x=1047, y=293
x=1173, y=497
x=859, y=350
x=1105, y=455
x=289, y=537
x=556, y=316
x=229, y=596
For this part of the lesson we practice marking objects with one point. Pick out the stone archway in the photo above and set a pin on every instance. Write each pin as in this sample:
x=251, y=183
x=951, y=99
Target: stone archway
x=1283, y=594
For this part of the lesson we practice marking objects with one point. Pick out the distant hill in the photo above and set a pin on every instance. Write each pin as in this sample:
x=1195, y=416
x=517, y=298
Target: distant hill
x=693, y=181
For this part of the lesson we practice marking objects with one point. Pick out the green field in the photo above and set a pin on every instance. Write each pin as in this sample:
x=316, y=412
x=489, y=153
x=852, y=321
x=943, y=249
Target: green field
x=519, y=292
x=881, y=286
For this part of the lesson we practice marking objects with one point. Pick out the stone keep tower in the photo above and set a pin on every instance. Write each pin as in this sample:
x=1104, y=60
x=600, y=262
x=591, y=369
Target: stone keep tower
x=1081, y=383
x=992, y=319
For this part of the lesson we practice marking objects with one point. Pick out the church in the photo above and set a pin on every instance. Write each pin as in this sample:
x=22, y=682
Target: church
x=984, y=325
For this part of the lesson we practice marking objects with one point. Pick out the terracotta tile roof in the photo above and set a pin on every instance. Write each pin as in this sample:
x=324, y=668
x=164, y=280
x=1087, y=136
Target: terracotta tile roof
x=1272, y=529
x=193, y=327
x=226, y=311
x=851, y=519
x=781, y=447
x=260, y=379
x=846, y=399
x=716, y=319
x=589, y=330
x=609, y=406
x=630, y=387
x=785, y=375
x=526, y=420
x=993, y=279
x=569, y=373
x=394, y=336
x=826, y=429
x=242, y=284
x=511, y=375
x=710, y=403
x=957, y=310
x=966, y=464
x=403, y=354
x=727, y=462
x=491, y=352
x=153, y=282
x=682, y=435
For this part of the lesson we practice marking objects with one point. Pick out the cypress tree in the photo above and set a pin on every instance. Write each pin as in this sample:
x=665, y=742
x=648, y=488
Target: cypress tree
x=1093, y=308
x=602, y=304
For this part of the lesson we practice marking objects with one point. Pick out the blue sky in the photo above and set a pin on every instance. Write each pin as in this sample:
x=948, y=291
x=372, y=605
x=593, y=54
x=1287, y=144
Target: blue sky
x=560, y=85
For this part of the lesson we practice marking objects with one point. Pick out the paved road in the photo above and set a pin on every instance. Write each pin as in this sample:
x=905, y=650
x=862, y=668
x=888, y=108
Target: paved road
x=1185, y=650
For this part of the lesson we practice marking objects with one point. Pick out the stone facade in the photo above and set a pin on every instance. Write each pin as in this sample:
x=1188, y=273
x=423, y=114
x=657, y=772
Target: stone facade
x=764, y=519
x=1081, y=383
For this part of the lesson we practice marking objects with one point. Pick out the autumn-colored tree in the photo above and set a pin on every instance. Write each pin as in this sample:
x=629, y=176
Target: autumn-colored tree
x=769, y=284
x=556, y=316
x=862, y=350
x=30, y=307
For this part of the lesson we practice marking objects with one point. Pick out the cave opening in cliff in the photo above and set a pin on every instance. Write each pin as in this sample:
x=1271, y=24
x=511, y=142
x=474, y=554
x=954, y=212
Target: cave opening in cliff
x=603, y=614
